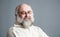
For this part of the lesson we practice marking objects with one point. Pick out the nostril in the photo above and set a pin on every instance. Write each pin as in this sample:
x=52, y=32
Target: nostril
x=25, y=15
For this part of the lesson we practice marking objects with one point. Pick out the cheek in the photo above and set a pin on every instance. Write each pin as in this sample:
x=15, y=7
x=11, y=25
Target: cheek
x=22, y=16
x=30, y=17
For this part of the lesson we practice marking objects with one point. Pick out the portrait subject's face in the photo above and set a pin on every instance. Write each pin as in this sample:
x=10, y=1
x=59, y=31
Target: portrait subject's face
x=25, y=15
x=25, y=12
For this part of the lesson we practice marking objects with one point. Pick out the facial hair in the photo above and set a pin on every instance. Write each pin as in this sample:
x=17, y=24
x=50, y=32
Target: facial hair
x=25, y=23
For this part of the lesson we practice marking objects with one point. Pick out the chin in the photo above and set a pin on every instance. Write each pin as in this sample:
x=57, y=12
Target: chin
x=27, y=23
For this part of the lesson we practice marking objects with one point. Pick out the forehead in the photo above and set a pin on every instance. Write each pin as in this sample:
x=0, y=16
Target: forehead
x=24, y=7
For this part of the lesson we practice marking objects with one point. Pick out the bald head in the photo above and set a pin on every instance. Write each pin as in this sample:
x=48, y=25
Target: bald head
x=24, y=7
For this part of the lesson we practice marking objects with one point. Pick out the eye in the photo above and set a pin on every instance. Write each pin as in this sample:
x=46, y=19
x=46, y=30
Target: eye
x=22, y=12
x=29, y=12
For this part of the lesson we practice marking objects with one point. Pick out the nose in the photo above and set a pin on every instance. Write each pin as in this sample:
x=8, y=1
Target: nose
x=26, y=15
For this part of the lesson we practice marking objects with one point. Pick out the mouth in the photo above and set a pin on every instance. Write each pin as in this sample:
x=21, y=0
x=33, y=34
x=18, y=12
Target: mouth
x=26, y=19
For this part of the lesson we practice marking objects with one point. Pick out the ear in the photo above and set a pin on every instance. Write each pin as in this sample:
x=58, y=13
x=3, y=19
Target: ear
x=16, y=11
x=16, y=14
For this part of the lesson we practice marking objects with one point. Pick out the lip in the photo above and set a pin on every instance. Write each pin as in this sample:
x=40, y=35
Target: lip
x=27, y=19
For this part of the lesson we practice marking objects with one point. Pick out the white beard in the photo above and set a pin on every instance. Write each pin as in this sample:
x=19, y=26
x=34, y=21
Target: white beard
x=26, y=23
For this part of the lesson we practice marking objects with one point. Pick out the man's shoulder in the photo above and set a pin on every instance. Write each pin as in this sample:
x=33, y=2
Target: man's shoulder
x=11, y=28
x=36, y=27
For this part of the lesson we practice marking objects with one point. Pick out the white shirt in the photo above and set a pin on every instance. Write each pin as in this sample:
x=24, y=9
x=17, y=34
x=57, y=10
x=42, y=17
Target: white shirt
x=32, y=31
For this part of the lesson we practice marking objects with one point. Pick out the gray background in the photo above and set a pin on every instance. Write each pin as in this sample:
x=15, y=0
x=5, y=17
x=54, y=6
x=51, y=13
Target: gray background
x=47, y=15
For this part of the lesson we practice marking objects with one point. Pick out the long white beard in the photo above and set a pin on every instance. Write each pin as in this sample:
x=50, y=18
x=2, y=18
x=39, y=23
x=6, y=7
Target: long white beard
x=26, y=23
